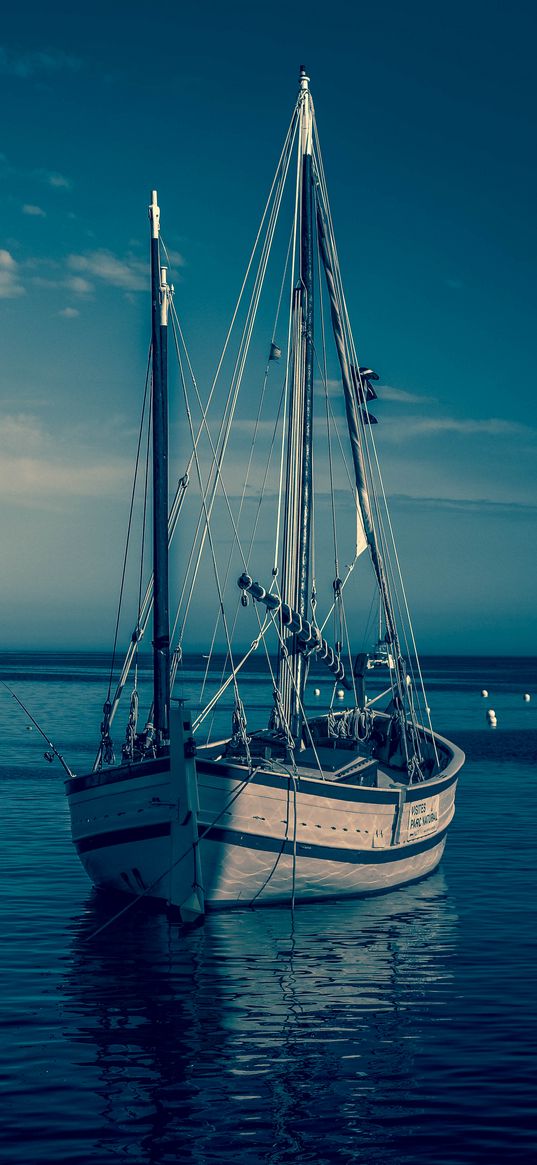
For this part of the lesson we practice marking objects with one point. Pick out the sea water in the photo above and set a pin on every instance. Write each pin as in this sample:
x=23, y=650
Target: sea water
x=394, y=1029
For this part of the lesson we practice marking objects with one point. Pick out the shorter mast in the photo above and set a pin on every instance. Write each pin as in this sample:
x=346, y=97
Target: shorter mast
x=160, y=297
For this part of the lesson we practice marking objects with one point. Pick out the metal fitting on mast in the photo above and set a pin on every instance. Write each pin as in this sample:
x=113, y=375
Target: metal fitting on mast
x=154, y=215
x=304, y=79
x=306, y=113
x=166, y=292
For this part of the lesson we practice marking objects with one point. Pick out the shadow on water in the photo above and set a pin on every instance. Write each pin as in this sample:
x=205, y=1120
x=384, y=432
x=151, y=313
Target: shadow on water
x=259, y=1035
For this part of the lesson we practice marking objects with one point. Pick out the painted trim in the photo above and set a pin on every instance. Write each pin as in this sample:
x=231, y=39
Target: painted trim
x=120, y=773
x=122, y=836
x=265, y=844
x=305, y=785
x=323, y=852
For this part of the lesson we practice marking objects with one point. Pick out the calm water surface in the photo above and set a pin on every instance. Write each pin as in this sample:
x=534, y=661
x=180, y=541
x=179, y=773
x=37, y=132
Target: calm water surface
x=400, y=1028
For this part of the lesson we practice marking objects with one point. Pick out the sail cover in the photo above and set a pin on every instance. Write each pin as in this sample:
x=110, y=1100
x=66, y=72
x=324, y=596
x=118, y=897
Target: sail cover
x=348, y=390
x=361, y=536
x=351, y=409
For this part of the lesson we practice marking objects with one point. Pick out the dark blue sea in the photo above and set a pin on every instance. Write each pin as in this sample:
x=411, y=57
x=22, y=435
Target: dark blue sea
x=395, y=1029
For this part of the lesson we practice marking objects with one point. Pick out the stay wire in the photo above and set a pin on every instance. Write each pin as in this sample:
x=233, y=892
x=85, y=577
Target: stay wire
x=129, y=524
x=250, y=545
x=248, y=468
x=208, y=527
x=144, y=525
x=215, y=475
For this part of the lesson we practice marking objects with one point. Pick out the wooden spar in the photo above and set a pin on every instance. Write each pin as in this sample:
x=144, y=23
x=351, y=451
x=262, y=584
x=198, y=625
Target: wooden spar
x=306, y=275
x=308, y=638
x=292, y=670
x=161, y=629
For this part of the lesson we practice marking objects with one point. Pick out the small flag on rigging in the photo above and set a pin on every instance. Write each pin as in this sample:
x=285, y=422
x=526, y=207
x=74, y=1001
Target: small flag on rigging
x=367, y=417
x=275, y=352
x=361, y=382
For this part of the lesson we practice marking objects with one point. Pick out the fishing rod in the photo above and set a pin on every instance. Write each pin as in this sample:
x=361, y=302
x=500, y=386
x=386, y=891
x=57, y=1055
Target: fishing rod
x=53, y=748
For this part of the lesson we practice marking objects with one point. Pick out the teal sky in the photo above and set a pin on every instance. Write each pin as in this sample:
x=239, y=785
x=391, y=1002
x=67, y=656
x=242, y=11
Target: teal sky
x=427, y=117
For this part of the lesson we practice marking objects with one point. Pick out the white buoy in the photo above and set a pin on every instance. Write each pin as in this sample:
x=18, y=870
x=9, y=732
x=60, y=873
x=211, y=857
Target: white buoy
x=484, y=693
x=491, y=717
x=527, y=697
x=340, y=694
x=316, y=691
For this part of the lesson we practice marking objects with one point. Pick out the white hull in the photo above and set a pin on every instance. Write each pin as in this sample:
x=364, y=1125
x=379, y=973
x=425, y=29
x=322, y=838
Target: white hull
x=346, y=840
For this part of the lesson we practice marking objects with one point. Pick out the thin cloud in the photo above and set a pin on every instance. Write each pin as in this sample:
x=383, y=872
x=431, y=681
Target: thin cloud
x=74, y=283
x=79, y=285
x=54, y=179
x=33, y=211
x=44, y=62
x=467, y=505
x=175, y=258
x=407, y=428
x=385, y=392
x=41, y=467
x=41, y=281
x=22, y=431
x=128, y=273
x=28, y=478
x=330, y=386
x=400, y=395
x=69, y=313
x=10, y=285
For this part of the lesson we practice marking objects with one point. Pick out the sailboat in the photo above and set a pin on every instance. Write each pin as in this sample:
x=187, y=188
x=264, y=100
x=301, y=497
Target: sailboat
x=310, y=802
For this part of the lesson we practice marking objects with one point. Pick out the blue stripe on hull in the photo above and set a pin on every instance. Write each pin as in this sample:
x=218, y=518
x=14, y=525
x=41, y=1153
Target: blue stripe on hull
x=324, y=853
x=266, y=844
x=122, y=836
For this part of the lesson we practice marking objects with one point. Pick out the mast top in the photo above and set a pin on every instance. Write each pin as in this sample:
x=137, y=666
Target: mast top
x=306, y=110
x=154, y=215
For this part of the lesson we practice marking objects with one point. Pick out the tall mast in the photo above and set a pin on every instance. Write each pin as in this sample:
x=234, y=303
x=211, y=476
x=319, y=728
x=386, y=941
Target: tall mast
x=292, y=670
x=160, y=296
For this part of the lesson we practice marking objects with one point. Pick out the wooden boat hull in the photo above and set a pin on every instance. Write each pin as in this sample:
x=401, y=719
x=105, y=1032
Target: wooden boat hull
x=261, y=838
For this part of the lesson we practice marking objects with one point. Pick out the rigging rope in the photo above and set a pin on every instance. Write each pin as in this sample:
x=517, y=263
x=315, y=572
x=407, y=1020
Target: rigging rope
x=241, y=720
x=246, y=479
x=129, y=524
x=106, y=749
x=369, y=440
x=146, y=606
x=215, y=475
x=228, y=637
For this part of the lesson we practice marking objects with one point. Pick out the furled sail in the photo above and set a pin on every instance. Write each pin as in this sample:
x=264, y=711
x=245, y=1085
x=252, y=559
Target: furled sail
x=355, y=406
x=365, y=535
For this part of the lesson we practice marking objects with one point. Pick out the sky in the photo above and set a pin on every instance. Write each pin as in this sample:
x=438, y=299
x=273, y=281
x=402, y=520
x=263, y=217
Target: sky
x=427, y=117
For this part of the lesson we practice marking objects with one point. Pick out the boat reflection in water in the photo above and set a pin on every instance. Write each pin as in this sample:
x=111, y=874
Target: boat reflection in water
x=261, y=1034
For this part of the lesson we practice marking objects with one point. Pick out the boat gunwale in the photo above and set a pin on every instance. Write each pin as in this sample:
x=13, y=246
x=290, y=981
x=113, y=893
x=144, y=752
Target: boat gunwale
x=310, y=784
